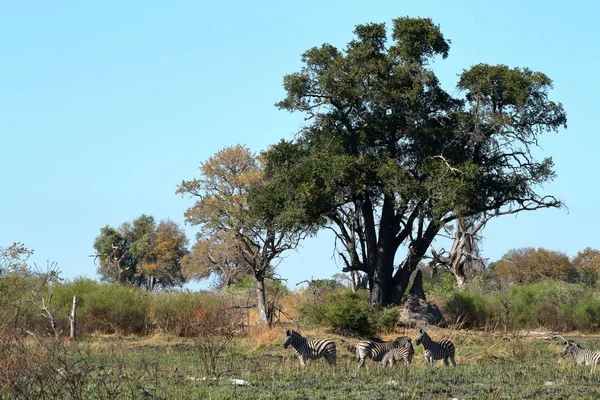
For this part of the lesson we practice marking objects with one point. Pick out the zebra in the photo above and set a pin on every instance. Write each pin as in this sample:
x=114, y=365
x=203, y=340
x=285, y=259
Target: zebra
x=376, y=350
x=311, y=349
x=405, y=353
x=581, y=355
x=433, y=351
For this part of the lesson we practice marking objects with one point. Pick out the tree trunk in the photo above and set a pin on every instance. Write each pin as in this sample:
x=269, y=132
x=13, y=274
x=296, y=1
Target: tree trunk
x=459, y=277
x=73, y=319
x=381, y=289
x=261, y=298
x=358, y=281
x=388, y=288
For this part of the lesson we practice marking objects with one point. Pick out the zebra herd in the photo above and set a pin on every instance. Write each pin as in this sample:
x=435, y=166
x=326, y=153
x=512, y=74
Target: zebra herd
x=388, y=353
x=401, y=349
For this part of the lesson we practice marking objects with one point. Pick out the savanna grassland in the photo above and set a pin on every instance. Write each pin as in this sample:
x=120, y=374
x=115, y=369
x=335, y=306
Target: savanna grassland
x=166, y=367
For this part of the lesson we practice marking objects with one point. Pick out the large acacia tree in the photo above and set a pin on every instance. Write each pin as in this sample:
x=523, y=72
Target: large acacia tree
x=388, y=158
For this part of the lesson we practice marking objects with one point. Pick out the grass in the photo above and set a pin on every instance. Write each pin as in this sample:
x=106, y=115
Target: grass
x=489, y=367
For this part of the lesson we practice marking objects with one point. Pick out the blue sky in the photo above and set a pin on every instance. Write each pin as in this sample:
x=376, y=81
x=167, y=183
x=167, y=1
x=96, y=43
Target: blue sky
x=105, y=108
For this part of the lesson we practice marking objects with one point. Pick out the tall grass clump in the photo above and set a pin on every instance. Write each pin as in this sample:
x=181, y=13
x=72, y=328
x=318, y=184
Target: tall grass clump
x=175, y=312
x=104, y=307
x=468, y=309
x=547, y=304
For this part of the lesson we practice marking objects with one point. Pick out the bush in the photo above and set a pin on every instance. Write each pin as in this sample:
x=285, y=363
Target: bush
x=384, y=319
x=548, y=304
x=348, y=313
x=586, y=315
x=174, y=312
x=342, y=311
x=552, y=304
x=105, y=308
x=441, y=285
x=468, y=309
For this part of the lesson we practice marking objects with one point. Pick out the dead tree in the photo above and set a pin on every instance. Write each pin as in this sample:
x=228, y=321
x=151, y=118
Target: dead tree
x=73, y=319
x=463, y=259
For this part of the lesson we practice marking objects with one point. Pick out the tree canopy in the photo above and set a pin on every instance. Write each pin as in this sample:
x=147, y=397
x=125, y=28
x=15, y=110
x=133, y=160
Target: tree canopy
x=528, y=265
x=388, y=158
x=587, y=264
x=142, y=253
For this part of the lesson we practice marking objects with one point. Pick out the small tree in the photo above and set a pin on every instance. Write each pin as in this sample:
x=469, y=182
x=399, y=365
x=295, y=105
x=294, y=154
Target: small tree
x=227, y=225
x=217, y=256
x=587, y=264
x=141, y=253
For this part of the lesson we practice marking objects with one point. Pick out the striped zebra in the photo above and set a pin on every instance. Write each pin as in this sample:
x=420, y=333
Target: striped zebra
x=582, y=356
x=393, y=356
x=376, y=350
x=435, y=350
x=310, y=349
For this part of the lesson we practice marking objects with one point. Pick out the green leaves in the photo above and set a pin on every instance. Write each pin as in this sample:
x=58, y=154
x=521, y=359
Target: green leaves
x=511, y=101
x=141, y=253
x=390, y=157
x=418, y=39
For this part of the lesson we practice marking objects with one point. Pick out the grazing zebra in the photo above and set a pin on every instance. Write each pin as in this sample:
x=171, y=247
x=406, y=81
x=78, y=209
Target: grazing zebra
x=435, y=350
x=581, y=355
x=376, y=350
x=405, y=353
x=311, y=349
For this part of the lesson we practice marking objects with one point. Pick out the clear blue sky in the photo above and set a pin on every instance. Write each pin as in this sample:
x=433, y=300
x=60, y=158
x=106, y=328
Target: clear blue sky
x=105, y=108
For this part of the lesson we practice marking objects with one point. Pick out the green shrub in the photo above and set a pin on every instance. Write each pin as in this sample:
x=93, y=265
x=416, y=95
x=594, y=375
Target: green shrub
x=174, y=312
x=586, y=315
x=342, y=311
x=468, y=309
x=102, y=307
x=384, y=319
x=553, y=305
x=348, y=313
x=441, y=285
x=549, y=304
x=20, y=291
x=523, y=309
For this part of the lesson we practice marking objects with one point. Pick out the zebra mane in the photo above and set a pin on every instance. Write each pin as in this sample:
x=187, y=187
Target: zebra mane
x=570, y=342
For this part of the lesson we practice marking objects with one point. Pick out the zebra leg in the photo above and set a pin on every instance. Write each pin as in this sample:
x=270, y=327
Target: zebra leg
x=446, y=362
x=452, y=359
x=302, y=361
